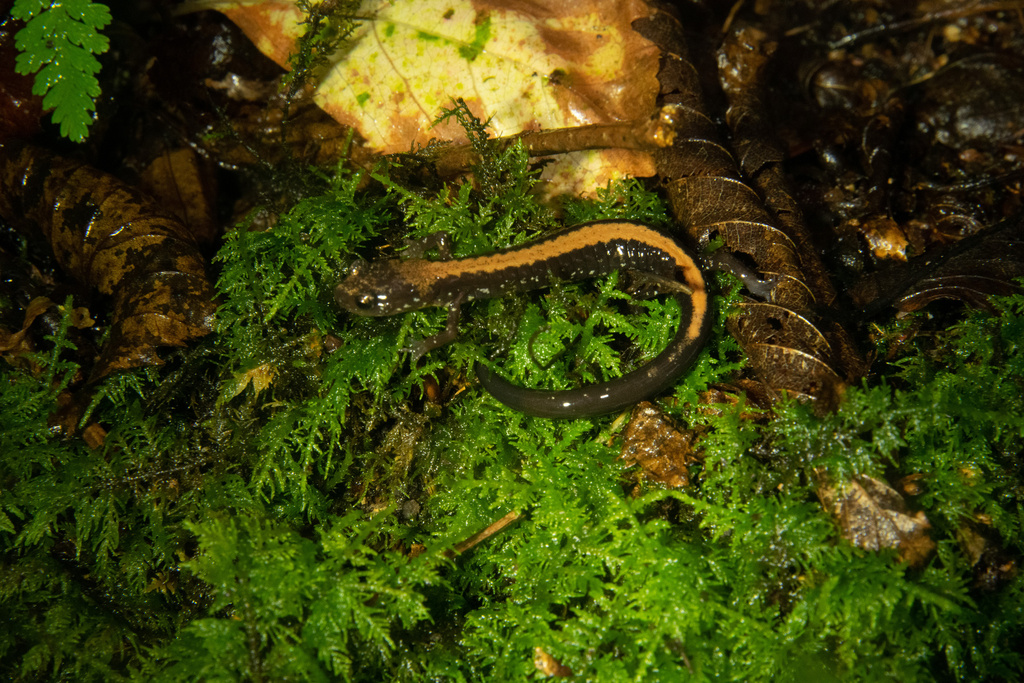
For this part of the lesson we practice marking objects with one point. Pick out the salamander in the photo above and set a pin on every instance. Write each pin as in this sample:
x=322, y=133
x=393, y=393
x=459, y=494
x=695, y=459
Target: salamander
x=389, y=287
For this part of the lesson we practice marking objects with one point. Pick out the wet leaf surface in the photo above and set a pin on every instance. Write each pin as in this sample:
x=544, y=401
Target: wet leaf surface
x=872, y=515
x=520, y=66
x=108, y=236
x=662, y=451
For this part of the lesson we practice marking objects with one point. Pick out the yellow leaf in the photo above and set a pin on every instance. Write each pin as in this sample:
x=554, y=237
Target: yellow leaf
x=522, y=66
x=260, y=377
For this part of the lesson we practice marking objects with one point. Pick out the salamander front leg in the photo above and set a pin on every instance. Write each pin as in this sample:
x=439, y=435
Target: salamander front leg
x=449, y=333
x=419, y=248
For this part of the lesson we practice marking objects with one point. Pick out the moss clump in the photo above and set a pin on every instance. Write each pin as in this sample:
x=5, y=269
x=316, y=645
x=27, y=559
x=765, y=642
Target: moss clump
x=286, y=502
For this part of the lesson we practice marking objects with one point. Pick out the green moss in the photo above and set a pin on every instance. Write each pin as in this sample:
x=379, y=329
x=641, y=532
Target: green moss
x=266, y=509
x=326, y=27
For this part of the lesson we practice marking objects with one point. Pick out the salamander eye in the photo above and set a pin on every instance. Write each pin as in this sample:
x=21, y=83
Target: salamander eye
x=366, y=302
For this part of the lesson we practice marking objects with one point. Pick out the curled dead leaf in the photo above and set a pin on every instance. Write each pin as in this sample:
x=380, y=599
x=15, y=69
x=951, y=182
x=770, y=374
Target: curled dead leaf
x=872, y=515
x=791, y=348
x=112, y=238
x=15, y=342
x=971, y=270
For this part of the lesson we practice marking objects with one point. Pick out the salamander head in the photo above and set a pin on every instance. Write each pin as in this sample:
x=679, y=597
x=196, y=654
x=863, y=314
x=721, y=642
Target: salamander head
x=377, y=289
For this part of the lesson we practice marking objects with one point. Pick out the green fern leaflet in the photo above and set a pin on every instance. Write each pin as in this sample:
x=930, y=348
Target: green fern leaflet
x=59, y=44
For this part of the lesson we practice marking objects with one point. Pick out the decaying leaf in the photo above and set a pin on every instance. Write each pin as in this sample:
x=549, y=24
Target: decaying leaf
x=922, y=156
x=215, y=91
x=549, y=666
x=971, y=270
x=110, y=237
x=260, y=377
x=872, y=515
x=520, y=66
x=181, y=183
x=993, y=566
x=662, y=451
x=885, y=237
x=15, y=342
x=790, y=347
x=20, y=343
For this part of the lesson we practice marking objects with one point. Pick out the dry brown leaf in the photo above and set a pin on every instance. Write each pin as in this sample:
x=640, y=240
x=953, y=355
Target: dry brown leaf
x=521, y=66
x=94, y=435
x=661, y=450
x=873, y=515
x=549, y=666
x=735, y=191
